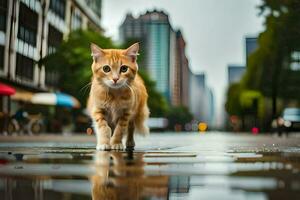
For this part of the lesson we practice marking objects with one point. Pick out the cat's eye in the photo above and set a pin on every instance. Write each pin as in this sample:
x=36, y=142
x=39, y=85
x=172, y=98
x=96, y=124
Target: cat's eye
x=106, y=68
x=123, y=69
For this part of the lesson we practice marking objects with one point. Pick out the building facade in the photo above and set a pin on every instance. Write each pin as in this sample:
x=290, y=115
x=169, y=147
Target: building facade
x=183, y=76
x=197, y=91
x=163, y=50
x=235, y=73
x=250, y=45
x=32, y=29
x=202, y=99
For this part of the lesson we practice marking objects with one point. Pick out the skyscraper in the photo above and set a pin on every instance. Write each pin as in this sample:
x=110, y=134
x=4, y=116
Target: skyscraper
x=235, y=73
x=201, y=99
x=251, y=46
x=197, y=91
x=183, y=72
x=159, y=48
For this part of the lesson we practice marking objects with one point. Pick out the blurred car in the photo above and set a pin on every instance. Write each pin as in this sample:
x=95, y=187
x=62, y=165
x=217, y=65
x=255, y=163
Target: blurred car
x=290, y=120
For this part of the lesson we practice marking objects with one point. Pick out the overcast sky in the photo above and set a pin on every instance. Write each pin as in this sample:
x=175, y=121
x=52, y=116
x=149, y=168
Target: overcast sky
x=214, y=31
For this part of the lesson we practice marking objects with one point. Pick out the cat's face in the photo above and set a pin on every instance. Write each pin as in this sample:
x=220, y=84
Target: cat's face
x=114, y=68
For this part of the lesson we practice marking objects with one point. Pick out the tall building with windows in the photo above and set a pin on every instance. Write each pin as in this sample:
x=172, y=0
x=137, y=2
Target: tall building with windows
x=197, y=90
x=202, y=101
x=32, y=29
x=235, y=73
x=153, y=30
x=163, y=50
x=251, y=46
x=183, y=72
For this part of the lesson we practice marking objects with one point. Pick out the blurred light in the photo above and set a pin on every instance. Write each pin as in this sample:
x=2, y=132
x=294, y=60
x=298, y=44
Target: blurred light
x=202, y=126
x=234, y=119
x=287, y=123
x=188, y=127
x=178, y=127
x=280, y=121
x=89, y=131
x=195, y=126
x=255, y=130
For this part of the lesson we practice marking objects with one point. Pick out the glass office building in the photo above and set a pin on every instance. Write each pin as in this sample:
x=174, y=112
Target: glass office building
x=158, y=57
x=152, y=30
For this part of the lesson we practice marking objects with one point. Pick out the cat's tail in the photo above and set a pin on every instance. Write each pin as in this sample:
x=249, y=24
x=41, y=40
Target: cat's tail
x=142, y=129
x=140, y=122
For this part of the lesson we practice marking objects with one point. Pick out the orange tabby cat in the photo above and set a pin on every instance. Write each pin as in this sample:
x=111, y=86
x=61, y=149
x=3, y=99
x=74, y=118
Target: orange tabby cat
x=118, y=97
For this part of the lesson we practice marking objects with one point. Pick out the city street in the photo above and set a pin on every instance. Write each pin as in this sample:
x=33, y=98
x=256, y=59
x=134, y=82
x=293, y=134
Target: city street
x=214, y=165
x=215, y=82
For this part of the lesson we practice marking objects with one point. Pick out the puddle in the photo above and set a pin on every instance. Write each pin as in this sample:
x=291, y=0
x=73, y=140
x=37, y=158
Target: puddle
x=83, y=173
x=128, y=175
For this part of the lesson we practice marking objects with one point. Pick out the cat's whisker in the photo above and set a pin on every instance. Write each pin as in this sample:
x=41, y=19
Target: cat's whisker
x=85, y=87
x=132, y=91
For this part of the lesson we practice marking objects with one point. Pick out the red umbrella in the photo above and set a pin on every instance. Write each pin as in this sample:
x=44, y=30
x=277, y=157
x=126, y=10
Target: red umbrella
x=6, y=90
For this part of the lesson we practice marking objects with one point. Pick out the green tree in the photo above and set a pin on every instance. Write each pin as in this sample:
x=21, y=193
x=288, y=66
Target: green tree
x=233, y=105
x=178, y=115
x=269, y=71
x=73, y=62
x=269, y=67
x=157, y=102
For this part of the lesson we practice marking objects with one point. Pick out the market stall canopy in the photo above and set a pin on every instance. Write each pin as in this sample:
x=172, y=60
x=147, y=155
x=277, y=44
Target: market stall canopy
x=57, y=99
x=6, y=90
x=22, y=95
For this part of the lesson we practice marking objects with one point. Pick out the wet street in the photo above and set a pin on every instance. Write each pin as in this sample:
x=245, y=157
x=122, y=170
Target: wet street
x=164, y=166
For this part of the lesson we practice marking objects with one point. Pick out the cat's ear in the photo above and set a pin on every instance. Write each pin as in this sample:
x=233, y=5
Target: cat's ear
x=97, y=52
x=133, y=51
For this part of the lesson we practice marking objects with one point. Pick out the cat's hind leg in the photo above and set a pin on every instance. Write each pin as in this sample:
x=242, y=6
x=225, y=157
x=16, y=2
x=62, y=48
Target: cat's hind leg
x=130, y=144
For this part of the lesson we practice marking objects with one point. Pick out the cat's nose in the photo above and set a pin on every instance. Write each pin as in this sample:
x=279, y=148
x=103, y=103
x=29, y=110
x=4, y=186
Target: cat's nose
x=115, y=80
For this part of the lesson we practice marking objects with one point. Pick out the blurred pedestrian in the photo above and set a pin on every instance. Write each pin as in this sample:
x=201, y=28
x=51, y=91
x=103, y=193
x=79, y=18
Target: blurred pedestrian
x=21, y=115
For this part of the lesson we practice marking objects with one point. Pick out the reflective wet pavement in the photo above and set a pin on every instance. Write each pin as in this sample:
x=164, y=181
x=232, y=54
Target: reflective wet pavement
x=163, y=166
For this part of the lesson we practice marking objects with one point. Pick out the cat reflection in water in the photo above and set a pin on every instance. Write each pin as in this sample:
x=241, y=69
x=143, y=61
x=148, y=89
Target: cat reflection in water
x=121, y=175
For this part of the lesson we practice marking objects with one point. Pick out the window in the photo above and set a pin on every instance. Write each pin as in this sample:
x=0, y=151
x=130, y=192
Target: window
x=295, y=61
x=76, y=20
x=24, y=68
x=52, y=78
x=95, y=5
x=1, y=57
x=3, y=14
x=58, y=7
x=28, y=20
x=54, y=39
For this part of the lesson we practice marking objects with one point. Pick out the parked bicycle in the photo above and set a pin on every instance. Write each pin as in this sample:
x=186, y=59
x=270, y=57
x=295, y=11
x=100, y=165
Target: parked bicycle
x=31, y=124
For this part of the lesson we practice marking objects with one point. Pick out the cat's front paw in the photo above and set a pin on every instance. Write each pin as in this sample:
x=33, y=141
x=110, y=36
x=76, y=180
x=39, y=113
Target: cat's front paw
x=130, y=144
x=118, y=146
x=103, y=147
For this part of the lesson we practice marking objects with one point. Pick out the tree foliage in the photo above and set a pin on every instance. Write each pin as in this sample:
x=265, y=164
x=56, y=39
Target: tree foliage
x=178, y=115
x=268, y=69
x=73, y=62
x=233, y=105
x=157, y=102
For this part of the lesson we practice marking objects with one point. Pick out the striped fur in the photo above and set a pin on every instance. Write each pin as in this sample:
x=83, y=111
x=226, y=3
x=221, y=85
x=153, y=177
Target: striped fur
x=117, y=108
